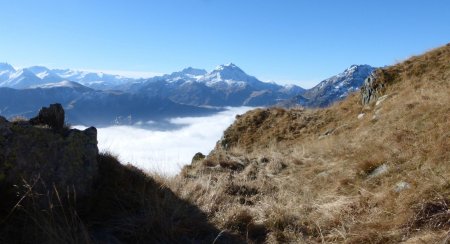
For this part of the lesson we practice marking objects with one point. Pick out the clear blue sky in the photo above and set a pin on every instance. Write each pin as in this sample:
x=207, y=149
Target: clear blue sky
x=293, y=41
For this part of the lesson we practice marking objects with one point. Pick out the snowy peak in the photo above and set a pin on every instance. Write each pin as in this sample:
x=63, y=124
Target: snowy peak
x=22, y=74
x=38, y=69
x=193, y=71
x=358, y=68
x=227, y=66
x=45, y=74
x=230, y=74
x=65, y=83
x=39, y=75
x=6, y=67
x=349, y=77
x=21, y=79
x=186, y=75
x=339, y=86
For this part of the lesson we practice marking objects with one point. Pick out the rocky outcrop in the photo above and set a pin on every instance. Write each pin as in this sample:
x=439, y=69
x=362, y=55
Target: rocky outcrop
x=373, y=87
x=52, y=116
x=47, y=157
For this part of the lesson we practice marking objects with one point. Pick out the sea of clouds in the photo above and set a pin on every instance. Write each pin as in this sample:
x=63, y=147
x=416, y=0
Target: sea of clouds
x=166, y=151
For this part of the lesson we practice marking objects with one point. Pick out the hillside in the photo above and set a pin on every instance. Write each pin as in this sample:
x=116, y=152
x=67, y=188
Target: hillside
x=374, y=168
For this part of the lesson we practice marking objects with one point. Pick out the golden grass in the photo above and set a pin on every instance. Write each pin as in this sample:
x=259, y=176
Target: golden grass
x=325, y=176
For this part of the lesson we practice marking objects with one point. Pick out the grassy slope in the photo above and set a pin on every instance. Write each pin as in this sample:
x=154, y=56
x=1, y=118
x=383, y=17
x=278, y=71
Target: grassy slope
x=317, y=175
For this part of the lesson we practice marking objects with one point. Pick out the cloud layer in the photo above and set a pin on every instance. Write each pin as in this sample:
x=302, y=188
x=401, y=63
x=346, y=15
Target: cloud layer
x=166, y=151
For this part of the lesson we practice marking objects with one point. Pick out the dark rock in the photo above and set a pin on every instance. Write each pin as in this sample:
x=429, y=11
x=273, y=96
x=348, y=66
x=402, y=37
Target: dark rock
x=52, y=116
x=232, y=165
x=91, y=133
x=34, y=155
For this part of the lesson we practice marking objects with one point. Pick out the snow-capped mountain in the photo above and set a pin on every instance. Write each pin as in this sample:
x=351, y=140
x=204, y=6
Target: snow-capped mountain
x=186, y=74
x=45, y=74
x=5, y=67
x=336, y=87
x=38, y=75
x=228, y=75
x=64, y=83
x=21, y=78
x=6, y=70
x=96, y=80
x=226, y=85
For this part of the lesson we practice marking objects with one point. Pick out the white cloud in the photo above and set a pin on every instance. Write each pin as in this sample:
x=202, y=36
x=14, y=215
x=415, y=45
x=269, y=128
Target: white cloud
x=167, y=151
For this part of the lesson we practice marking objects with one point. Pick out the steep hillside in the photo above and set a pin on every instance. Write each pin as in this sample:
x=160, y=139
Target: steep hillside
x=374, y=168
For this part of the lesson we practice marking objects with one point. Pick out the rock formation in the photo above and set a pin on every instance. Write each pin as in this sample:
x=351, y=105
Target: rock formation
x=372, y=87
x=44, y=157
x=52, y=116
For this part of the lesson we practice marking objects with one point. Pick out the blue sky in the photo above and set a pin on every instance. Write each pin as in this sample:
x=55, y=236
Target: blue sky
x=291, y=41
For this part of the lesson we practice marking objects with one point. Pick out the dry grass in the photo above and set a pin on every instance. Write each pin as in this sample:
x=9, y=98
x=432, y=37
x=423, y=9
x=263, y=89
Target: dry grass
x=325, y=176
x=126, y=205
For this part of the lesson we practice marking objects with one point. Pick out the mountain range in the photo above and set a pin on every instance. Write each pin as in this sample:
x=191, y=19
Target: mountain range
x=226, y=85
x=38, y=75
x=102, y=99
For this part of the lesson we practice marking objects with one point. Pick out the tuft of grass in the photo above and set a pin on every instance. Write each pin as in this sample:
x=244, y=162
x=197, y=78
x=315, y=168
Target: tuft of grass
x=433, y=214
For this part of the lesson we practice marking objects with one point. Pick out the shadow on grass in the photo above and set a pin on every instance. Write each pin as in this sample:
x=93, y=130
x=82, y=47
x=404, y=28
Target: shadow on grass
x=126, y=206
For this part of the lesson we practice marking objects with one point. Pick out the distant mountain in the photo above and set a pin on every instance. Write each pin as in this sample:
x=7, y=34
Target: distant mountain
x=96, y=80
x=65, y=84
x=334, y=88
x=38, y=75
x=88, y=107
x=227, y=85
x=45, y=74
x=21, y=78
